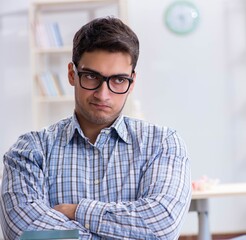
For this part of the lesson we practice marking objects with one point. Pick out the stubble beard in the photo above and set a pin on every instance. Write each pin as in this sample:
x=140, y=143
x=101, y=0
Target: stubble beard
x=99, y=119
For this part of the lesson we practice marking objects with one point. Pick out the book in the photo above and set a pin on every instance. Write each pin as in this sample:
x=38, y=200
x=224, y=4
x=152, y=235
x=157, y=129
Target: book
x=57, y=38
x=42, y=39
x=41, y=87
x=45, y=85
x=50, y=234
x=49, y=84
x=58, y=85
x=48, y=35
x=48, y=78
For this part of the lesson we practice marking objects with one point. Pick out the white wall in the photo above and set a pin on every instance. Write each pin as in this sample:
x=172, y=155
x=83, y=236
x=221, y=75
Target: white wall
x=15, y=90
x=194, y=83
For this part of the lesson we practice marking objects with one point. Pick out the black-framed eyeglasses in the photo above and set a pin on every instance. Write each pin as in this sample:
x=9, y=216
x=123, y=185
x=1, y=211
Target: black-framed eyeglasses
x=91, y=80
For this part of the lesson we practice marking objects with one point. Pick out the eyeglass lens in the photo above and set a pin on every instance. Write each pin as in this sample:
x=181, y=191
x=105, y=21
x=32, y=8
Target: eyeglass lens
x=92, y=81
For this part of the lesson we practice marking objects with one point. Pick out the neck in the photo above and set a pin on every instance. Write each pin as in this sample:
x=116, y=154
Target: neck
x=91, y=130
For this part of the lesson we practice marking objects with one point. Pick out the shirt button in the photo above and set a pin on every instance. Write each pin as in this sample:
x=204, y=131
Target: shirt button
x=87, y=226
x=96, y=181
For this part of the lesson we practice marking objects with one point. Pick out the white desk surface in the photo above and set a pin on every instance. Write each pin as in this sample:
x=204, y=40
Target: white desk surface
x=221, y=190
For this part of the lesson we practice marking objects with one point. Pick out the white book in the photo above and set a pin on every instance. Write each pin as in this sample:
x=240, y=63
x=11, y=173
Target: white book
x=42, y=38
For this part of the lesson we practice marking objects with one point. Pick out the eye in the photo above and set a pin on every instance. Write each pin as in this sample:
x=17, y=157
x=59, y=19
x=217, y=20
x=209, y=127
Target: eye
x=90, y=76
x=119, y=80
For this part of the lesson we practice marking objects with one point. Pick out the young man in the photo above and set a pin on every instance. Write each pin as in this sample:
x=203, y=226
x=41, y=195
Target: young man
x=108, y=175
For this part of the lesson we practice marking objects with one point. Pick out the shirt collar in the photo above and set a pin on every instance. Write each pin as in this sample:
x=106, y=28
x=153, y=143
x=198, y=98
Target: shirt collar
x=69, y=132
x=119, y=126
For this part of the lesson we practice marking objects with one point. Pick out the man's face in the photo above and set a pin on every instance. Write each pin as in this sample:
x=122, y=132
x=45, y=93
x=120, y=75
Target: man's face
x=100, y=106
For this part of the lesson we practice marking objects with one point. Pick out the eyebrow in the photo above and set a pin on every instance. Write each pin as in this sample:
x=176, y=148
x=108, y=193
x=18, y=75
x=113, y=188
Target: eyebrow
x=90, y=70
x=96, y=72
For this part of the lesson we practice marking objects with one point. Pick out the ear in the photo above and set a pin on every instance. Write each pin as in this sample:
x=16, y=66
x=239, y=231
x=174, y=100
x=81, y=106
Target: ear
x=71, y=74
x=134, y=76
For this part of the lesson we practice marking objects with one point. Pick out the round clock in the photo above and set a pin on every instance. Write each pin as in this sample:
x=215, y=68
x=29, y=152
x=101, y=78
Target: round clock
x=181, y=17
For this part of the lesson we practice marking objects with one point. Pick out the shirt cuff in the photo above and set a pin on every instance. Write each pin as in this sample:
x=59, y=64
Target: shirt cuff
x=89, y=213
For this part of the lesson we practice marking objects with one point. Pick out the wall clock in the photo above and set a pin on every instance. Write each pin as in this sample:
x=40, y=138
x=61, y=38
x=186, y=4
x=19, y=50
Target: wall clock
x=181, y=17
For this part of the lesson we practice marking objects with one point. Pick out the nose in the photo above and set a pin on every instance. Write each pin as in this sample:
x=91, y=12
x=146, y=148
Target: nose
x=102, y=92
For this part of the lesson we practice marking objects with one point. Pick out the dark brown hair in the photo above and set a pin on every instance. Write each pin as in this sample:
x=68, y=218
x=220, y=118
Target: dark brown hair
x=109, y=34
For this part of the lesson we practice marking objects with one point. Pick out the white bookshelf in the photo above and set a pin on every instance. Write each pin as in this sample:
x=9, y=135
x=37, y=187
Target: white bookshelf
x=69, y=15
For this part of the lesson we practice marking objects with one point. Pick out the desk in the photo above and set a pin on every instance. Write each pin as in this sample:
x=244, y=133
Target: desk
x=199, y=203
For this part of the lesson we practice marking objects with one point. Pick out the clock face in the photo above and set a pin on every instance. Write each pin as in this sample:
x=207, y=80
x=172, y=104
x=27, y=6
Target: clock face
x=181, y=17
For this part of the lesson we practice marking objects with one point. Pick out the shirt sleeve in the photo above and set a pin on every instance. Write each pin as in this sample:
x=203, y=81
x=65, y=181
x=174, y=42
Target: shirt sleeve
x=164, y=199
x=24, y=196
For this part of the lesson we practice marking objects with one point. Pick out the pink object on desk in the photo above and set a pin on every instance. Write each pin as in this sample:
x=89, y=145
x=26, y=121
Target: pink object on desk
x=204, y=183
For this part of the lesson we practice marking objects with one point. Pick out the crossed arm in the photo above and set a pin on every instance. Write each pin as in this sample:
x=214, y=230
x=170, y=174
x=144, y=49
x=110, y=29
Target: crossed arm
x=67, y=209
x=156, y=214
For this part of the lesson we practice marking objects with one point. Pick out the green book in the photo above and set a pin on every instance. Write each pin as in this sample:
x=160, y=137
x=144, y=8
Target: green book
x=50, y=234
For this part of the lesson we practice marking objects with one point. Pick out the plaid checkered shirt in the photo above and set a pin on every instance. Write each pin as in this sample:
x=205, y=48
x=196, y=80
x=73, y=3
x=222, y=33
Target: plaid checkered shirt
x=132, y=183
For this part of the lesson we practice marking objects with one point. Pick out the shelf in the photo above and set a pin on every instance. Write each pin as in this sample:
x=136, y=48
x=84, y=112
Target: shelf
x=53, y=24
x=70, y=2
x=66, y=5
x=54, y=50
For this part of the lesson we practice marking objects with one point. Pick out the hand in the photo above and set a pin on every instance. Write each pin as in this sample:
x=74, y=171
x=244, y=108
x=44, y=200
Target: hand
x=67, y=209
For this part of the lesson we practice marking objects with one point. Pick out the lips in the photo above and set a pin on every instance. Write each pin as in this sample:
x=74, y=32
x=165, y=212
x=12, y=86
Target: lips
x=101, y=106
